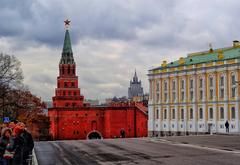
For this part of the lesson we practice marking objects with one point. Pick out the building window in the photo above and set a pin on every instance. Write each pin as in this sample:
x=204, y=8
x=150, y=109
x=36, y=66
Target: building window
x=211, y=94
x=173, y=85
x=65, y=84
x=173, y=113
x=211, y=81
x=69, y=93
x=200, y=94
x=191, y=95
x=182, y=84
x=191, y=84
x=210, y=113
x=221, y=92
x=233, y=80
x=158, y=97
x=157, y=114
x=200, y=113
x=165, y=86
x=73, y=84
x=191, y=113
x=165, y=97
x=75, y=93
x=233, y=113
x=221, y=113
x=165, y=113
x=157, y=86
x=222, y=81
x=64, y=93
x=182, y=114
x=174, y=96
x=233, y=91
x=200, y=83
x=182, y=95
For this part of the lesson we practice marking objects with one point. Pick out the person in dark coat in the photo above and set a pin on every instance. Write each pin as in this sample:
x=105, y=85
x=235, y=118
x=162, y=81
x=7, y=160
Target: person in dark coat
x=4, y=141
x=227, y=126
x=16, y=146
x=28, y=143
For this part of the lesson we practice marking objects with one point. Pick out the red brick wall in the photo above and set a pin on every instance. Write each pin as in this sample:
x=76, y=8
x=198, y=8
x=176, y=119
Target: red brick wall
x=108, y=121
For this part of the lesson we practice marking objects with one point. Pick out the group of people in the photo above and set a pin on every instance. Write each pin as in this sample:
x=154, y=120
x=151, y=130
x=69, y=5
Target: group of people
x=16, y=144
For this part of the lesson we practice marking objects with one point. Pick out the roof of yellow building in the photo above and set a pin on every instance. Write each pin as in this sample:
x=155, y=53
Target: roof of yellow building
x=204, y=57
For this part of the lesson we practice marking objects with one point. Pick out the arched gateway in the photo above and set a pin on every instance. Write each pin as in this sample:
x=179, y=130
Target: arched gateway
x=94, y=135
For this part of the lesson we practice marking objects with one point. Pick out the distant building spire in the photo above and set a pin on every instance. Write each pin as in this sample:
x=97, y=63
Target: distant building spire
x=135, y=88
x=135, y=78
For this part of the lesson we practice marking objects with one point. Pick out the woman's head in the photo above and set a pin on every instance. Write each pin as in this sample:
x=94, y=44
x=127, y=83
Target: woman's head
x=6, y=132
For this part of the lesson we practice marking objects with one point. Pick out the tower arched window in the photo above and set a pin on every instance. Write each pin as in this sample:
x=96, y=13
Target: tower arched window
x=68, y=69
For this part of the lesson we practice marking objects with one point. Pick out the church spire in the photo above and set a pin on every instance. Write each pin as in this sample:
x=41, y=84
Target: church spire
x=135, y=78
x=67, y=54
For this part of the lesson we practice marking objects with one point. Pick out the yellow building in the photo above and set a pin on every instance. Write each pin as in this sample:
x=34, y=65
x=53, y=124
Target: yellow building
x=196, y=94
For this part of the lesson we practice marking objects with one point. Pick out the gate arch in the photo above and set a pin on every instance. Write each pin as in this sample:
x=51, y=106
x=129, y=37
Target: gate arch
x=94, y=135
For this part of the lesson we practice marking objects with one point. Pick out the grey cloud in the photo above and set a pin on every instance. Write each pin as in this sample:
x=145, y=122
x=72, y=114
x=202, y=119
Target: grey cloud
x=111, y=38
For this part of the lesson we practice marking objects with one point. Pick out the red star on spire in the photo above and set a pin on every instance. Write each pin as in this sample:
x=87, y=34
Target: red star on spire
x=67, y=23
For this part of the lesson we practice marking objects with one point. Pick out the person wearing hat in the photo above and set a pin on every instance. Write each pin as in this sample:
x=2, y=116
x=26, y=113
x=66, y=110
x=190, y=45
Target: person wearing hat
x=5, y=156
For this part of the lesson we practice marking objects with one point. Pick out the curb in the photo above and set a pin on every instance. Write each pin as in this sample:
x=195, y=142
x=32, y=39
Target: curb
x=34, y=161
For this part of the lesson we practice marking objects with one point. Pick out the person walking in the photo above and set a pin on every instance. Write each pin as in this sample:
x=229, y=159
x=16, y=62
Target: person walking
x=5, y=157
x=16, y=146
x=28, y=143
x=227, y=126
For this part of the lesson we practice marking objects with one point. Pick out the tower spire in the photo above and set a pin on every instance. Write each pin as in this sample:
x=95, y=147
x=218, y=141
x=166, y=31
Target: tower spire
x=67, y=54
x=135, y=78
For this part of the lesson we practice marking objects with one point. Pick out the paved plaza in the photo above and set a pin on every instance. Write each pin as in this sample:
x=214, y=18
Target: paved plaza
x=182, y=150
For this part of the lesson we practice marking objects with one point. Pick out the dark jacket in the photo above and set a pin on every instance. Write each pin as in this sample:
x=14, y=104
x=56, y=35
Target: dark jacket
x=16, y=144
x=4, y=141
x=28, y=145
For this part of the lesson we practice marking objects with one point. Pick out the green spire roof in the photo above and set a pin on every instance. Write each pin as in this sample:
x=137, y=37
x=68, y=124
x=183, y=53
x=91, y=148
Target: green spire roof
x=67, y=54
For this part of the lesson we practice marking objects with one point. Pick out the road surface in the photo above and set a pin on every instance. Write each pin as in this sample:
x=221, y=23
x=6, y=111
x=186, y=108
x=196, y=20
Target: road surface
x=196, y=150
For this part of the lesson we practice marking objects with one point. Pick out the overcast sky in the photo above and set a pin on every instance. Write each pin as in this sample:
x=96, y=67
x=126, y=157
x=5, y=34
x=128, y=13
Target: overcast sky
x=110, y=38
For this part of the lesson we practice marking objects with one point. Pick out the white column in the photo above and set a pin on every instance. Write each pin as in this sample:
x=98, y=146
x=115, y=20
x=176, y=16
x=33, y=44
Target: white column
x=215, y=122
x=150, y=118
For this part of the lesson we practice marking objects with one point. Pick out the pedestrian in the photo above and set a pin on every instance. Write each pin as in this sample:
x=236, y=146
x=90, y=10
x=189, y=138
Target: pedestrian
x=16, y=146
x=5, y=156
x=28, y=142
x=227, y=126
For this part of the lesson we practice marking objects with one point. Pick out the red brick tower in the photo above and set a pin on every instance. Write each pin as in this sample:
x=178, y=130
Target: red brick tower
x=67, y=93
